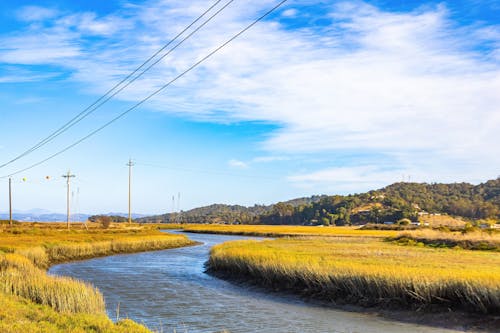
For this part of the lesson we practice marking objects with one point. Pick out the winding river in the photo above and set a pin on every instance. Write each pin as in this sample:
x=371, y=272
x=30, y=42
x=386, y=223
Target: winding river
x=169, y=291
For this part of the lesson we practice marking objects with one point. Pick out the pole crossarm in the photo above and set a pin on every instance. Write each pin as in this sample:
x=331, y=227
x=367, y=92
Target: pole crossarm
x=68, y=176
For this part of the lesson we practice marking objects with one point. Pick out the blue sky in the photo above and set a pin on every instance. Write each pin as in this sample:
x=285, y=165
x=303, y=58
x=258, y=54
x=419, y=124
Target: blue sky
x=322, y=97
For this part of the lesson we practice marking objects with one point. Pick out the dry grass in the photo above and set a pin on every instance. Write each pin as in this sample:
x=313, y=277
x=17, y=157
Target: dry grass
x=478, y=240
x=287, y=231
x=367, y=271
x=49, y=243
x=442, y=220
x=19, y=315
x=18, y=276
x=28, y=249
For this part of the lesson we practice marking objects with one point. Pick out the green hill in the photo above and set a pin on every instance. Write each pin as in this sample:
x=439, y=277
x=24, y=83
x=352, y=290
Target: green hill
x=391, y=203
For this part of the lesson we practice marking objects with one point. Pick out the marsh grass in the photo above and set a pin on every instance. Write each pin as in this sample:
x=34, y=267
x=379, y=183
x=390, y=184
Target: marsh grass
x=477, y=240
x=367, y=272
x=28, y=249
x=19, y=276
x=19, y=315
x=287, y=231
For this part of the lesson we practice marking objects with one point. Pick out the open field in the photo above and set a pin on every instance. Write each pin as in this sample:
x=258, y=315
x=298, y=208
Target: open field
x=478, y=240
x=475, y=240
x=64, y=304
x=367, y=271
x=287, y=230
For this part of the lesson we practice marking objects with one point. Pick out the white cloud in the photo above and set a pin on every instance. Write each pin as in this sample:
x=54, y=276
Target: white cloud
x=268, y=159
x=290, y=13
x=414, y=87
x=237, y=164
x=36, y=13
x=358, y=178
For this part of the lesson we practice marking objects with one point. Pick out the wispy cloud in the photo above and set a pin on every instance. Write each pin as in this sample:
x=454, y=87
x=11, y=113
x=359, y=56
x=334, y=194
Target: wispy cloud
x=237, y=164
x=357, y=178
x=36, y=13
x=268, y=159
x=415, y=87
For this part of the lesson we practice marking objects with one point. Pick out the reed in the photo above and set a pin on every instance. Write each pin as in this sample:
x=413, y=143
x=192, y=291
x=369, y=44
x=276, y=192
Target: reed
x=366, y=271
x=287, y=231
x=28, y=249
x=477, y=240
x=18, y=315
x=67, y=252
x=18, y=276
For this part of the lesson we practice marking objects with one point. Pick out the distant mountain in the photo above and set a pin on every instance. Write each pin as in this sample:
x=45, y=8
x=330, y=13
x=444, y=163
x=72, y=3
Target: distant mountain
x=43, y=215
x=391, y=203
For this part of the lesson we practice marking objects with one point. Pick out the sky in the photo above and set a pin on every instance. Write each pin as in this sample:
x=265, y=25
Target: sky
x=321, y=97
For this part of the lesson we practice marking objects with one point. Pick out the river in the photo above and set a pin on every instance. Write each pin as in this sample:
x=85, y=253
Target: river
x=168, y=291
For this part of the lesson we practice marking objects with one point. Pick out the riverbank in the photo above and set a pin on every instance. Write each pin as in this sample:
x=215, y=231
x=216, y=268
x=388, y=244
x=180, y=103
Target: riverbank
x=443, y=286
x=32, y=301
x=286, y=231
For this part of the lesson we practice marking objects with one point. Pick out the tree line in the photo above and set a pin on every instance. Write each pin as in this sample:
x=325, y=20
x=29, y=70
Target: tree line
x=392, y=203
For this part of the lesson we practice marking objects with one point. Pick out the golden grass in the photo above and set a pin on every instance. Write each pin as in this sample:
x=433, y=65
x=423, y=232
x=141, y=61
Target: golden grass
x=367, y=271
x=287, y=231
x=477, y=240
x=46, y=244
x=19, y=315
x=442, y=220
x=28, y=249
x=18, y=276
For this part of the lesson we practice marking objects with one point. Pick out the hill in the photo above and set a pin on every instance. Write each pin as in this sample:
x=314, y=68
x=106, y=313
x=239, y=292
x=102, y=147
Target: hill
x=220, y=213
x=391, y=203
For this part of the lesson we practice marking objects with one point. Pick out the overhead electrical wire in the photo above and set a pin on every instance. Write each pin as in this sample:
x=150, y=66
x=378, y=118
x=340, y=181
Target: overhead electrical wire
x=113, y=92
x=189, y=69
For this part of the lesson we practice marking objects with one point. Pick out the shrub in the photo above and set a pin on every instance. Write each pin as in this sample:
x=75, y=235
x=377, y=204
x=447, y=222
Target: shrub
x=404, y=221
x=105, y=221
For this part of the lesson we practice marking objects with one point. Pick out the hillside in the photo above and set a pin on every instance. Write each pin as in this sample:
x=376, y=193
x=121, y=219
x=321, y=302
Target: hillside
x=391, y=203
x=218, y=213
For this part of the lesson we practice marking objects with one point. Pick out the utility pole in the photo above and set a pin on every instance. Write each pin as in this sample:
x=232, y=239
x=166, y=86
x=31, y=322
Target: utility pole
x=68, y=176
x=130, y=164
x=10, y=201
x=179, y=206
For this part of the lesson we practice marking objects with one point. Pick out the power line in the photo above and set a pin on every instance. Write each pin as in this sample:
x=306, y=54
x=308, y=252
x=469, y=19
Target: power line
x=110, y=94
x=135, y=106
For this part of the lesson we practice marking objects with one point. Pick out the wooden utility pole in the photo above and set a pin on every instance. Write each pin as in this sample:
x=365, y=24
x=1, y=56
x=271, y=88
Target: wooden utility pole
x=10, y=201
x=130, y=164
x=68, y=176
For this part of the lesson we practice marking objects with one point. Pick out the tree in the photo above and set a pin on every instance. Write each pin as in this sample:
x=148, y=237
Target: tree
x=105, y=221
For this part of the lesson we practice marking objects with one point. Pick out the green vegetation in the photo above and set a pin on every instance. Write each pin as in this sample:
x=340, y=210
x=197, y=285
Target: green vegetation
x=366, y=271
x=64, y=304
x=476, y=240
x=219, y=213
x=113, y=218
x=399, y=201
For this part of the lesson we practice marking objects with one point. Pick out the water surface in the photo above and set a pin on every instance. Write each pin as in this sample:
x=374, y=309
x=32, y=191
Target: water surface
x=169, y=290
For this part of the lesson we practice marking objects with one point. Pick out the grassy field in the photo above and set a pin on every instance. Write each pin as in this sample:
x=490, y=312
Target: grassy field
x=477, y=240
x=363, y=269
x=28, y=296
x=19, y=315
x=287, y=231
